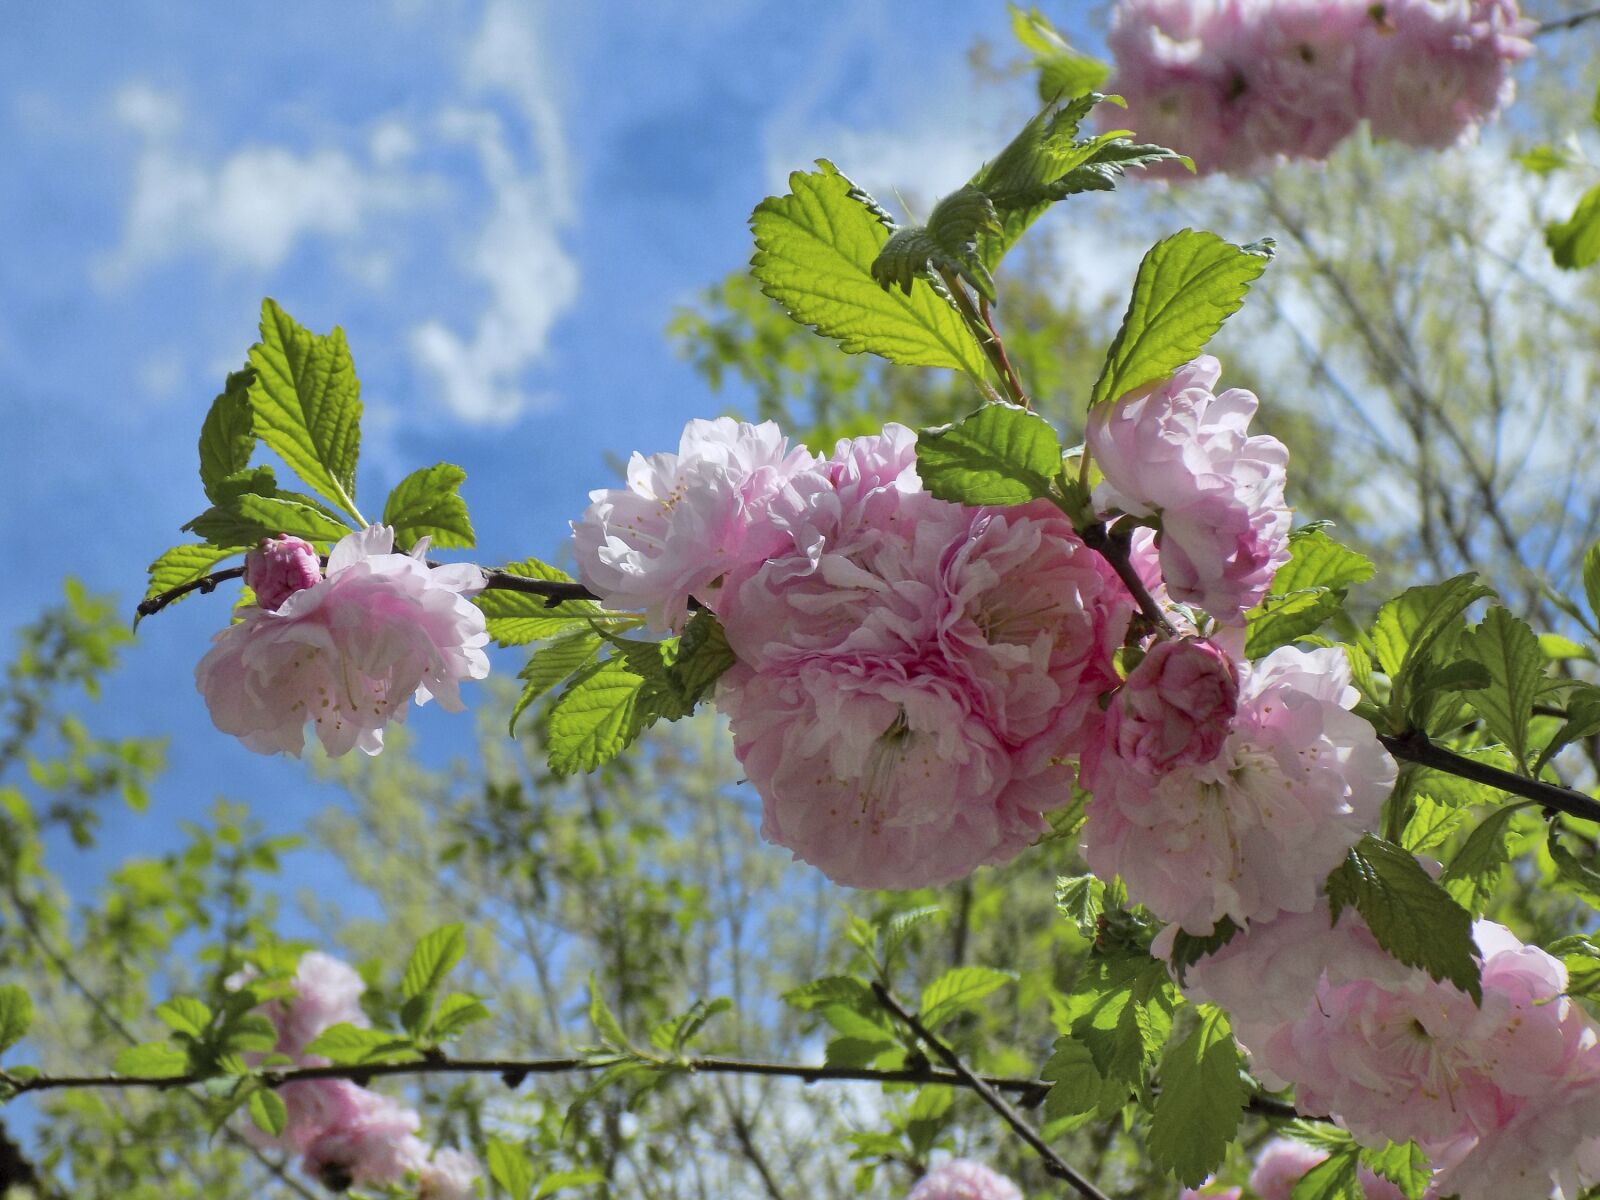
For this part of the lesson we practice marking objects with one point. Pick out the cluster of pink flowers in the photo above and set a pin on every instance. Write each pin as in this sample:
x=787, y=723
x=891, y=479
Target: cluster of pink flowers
x=347, y=651
x=912, y=675
x=1504, y=1097
x=963, y=1179
x=1240, y=84
x=346, y=1135
x=1282, y=1163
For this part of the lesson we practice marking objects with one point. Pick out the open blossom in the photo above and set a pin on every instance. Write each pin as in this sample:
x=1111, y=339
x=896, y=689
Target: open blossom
x=1255, y=830
x=369, y=1140
x=1432, y=71
x=1283, y=1161
x=1547, y=1145
x=1177, y=451
x=686, y=520
x=912, y=674
x=963, y=1179
x=279, y=567
x=349, y=652
x=448, y=1175
x=1176, y=707
x=327, y=992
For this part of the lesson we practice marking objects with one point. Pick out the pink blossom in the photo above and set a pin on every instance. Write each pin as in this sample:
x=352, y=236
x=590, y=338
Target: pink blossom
x=348, y=652
x=1177, y=451
x=1176, y=708
x=449, y=1175
x=1431, y=72
x=370, y=1141
x=963, y=1179
x=1282, y=1163
x=327, y=992
x=686, y=520
x=1254, y=831
x=1546, y=1146
x=279, y=566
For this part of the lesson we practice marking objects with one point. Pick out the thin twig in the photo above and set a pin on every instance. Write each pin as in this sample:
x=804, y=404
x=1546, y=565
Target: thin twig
x=1053, y=1162
x=1114, y=549
x=553, y=591
x=1562, y=24
x=988, y=340
x=1417, y=747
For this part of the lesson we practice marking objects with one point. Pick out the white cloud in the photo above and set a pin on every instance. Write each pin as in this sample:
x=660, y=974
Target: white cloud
x=530, y=278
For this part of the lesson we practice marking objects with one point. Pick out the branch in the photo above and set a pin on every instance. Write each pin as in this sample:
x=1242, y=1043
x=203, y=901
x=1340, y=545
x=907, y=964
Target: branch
x=1113, y=548
x=1053, y=1162
x=1562, y=24
x=1416, y=747
x=553, y=591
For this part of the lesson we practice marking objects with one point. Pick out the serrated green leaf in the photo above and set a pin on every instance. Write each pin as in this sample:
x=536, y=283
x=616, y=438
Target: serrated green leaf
x=1188, y=948
x=16, y=1016
x=347, y=1044
x=1402, y=1164
x=1078, y=1091
x=1591, y=579
x=510, y=1168
x=593, y=720
x=306, y=404
x=1430, y=824
x=1121, y=1011
x=184, y=564
x=604, y=1020
x=1201, y=1100
x=1335, y=1178
x=560, y=1181
x=1509, y=651
x=1583, y=720
x=1316, y=560
x=855, y=1051
x=1413, y=918
x=551, y=664
x=1573, y=876
x=249, y=517
x=832, y=989
x=1001, y=454
x=1187, y=286
x=960, y=989
x=1408, y=626
x=515, y=618
x=268, y=1111
x=455, y=1012
x=1575, y=242
x=1474, y=872
x=185, y=1014
x=1062, y=70
x=1081, y=899
x=427, y=503
x=1280, y=620
x=226, y=436
x=435, y=957
x=814, y=253
x=1543, y=159
x=153, y=1060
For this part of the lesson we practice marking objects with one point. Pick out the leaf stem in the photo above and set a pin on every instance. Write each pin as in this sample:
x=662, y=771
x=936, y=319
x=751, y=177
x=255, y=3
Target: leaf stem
x=1053, y=1162
x=988, y=338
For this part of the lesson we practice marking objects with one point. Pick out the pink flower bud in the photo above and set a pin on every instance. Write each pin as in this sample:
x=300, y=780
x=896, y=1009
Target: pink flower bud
x=279, y=567
x=1176, y=708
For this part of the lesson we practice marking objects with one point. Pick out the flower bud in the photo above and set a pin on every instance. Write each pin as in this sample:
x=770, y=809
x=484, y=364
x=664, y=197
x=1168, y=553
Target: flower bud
x=279, y=567
x=1176, y=707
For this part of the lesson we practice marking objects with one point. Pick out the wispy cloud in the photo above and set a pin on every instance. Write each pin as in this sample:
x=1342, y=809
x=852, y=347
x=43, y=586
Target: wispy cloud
x=518, y=255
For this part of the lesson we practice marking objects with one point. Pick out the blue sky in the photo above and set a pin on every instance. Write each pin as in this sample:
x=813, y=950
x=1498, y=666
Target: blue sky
x=501, y=203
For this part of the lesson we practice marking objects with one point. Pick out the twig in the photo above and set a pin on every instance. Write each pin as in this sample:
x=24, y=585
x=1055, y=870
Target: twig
x=1562, y=24
x=1417, y=747
x=1114, y=549
x=1053, y=1162
x=553, y=591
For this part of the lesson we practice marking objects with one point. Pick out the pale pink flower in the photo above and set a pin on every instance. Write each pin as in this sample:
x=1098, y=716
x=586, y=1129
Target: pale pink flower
x=280, y=566
x=370, y=1141
x=348, y=653
x=1254, y=831
x=449, y=1175
x=1431, y=72
x=1174, y=450
x=1547, y=1146
x=1176, y=708
x=686, y=520
x=963, y=1179
x=327, y=992
x=1283, y=1161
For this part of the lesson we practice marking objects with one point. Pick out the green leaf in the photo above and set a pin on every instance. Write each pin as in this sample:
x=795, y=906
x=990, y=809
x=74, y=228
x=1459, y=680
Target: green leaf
x=959, y=989
x=426, y=503
x=515, y=618
x=1406, y=628
x=947, y=244
x=1280, y=620
x=814, y=253
x=185, y=1014
x=306, y=404
x=248, y=518
x=604, y=1020
x=831, y=989
x=455, y=1012
x=1078, y=1091
x=268, y=1111
x=1543, y=159
x=1571, y=875
x=153, y=1060
x=184, y=564
x=1201, y=1100
x=16, y=1016
x=1509, y=650
x=1583, y=720
x=1317, y=561
x=593, y=720
x=1188, y=948
x=435, y=957
x=1402, y=1164
x=1591, y=578
x=1121, y=1011
x=1475, y=871
x=226, y=436
x=856, y=1051
x=1081, y=899
x=351, y=1045
x=1001, y=454
x=560, y=1181
x=1575, y=242
x=1063, y=71
x=510, y=1168
x=551, y=664
x=1413, y=918
x=1334, y=1178
x=1187, y=286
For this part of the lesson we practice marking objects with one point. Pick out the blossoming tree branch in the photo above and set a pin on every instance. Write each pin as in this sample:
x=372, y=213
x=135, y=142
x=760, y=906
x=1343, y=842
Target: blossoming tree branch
x=945, y=648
